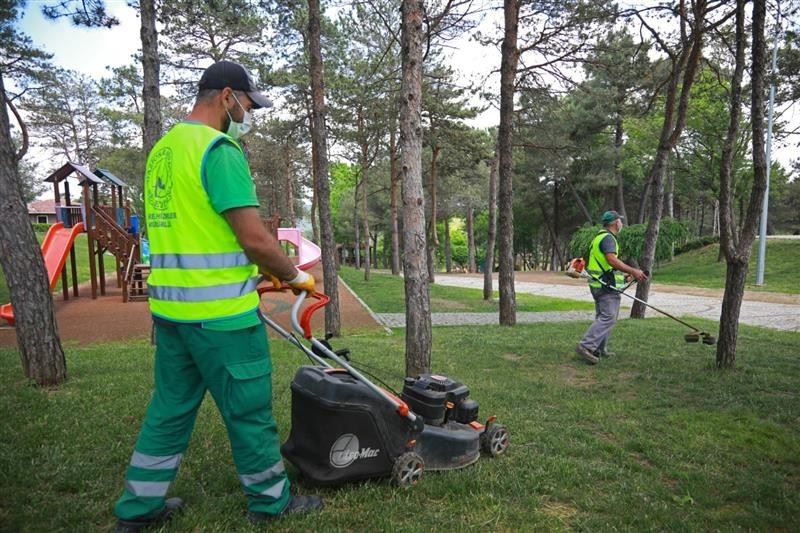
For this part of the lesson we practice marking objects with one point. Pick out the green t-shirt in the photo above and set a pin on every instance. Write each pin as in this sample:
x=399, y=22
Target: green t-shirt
x=228, y=183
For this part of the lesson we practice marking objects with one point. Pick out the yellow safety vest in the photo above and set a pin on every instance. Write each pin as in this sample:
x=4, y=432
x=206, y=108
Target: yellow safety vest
x=199, y=271
x=598, y=264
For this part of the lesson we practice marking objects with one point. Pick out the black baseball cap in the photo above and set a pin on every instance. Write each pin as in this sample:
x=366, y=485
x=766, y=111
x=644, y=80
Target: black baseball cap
x=229, y=74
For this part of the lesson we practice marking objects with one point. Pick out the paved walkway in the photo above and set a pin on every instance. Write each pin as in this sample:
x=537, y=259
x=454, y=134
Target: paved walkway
x=782, y=316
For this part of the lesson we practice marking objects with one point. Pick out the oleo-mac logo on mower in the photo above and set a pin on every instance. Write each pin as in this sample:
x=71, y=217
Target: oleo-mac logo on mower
x=346, y=450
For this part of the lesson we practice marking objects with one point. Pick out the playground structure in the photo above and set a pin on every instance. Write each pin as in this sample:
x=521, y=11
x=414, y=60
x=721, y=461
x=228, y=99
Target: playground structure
x=113, y=229
x=108, y=228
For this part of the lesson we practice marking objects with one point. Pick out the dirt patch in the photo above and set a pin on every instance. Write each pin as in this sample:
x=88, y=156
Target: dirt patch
x=578, y=378
x=511, y=356
x=560, y=510
x=86, y=321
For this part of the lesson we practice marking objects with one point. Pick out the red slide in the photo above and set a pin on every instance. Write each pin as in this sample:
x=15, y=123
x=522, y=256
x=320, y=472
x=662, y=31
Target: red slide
x=55, y=247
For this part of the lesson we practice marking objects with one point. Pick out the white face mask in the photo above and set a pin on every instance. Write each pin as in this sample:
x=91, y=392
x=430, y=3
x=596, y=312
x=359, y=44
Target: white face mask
x=237, y=129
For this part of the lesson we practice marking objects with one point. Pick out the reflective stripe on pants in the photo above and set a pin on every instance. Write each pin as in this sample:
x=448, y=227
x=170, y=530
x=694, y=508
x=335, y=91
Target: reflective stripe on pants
x=234, y=366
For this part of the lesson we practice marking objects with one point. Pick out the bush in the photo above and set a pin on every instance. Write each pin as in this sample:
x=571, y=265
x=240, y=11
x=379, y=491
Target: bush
x=694, y=244
x=631, y=239
x=40, y=227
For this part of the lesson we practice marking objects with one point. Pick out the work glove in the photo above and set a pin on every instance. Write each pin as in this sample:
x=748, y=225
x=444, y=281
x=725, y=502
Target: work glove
x=272, y=278
x=302, y=282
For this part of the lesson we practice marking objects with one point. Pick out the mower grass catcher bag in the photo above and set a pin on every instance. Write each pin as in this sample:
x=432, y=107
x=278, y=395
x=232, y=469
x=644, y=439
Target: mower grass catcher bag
x=342, y=430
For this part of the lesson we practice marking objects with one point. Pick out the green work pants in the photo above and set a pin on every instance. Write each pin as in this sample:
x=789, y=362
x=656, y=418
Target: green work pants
x=235, y=367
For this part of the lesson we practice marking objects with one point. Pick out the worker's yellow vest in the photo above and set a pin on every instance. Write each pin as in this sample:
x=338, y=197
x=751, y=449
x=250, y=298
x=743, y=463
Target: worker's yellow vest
x=199, y=271
x=598, y=264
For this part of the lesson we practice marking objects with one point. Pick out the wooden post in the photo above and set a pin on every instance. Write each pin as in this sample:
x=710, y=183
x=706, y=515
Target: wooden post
x=64, y=283
x=74, y=268
x=87, y=209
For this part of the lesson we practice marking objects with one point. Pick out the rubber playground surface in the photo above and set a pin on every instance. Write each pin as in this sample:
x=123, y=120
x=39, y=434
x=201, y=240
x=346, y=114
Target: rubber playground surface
x=85, y=321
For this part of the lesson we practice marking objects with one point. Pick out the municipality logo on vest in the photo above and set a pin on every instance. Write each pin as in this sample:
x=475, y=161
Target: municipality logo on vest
x=347, y=450
x=159, y=176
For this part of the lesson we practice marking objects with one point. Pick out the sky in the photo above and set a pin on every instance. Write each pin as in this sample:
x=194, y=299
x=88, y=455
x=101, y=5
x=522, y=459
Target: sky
x=90, y=51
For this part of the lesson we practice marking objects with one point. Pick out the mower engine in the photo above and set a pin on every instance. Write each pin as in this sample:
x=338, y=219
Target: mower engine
x=451, y=438
x=438, y=399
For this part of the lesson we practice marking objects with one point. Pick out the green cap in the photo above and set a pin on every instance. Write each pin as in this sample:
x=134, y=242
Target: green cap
x=611, y=216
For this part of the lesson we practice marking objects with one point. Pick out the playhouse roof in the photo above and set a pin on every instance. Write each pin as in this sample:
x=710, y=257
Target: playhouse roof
x=42, y=207
x=109, y=177
x=70, y=167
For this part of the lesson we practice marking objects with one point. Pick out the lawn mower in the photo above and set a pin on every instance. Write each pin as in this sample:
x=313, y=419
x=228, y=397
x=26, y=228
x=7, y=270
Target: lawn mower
x=577, y=269
x=346, y=428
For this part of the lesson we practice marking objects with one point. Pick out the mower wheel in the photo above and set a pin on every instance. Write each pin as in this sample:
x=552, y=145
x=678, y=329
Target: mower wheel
x=495, y=440
x=407, y=470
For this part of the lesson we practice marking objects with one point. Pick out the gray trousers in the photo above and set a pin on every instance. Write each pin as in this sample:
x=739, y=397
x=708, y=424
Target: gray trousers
x=606, y=305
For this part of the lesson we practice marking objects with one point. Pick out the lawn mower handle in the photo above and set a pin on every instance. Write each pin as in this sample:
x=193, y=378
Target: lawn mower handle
x=302, y=326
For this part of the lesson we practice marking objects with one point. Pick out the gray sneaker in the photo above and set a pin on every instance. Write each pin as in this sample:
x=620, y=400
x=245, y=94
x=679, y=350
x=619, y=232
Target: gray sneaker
x=604, y=353
x=587, y=355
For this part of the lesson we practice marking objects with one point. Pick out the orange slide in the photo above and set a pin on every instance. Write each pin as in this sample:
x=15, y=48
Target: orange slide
x=55, y=248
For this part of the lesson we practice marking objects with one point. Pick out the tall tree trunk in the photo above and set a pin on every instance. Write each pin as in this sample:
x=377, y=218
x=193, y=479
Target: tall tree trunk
x=315, y=186
x=319, y=138
x=670, y=202
x=471, y=266
x=356, y=227
x=39, y=345
x=433, y=237
x=448, y=251
x=642, y=214
x=737, y=254
x=365, y=195
x=488, y=262
x=289, y=188
x=578, y=199
x=151, y=97
x=505, y=142
x=394, y=178
x=365, y=217
x=418, y=309
x=618, y=138
x=675, y=107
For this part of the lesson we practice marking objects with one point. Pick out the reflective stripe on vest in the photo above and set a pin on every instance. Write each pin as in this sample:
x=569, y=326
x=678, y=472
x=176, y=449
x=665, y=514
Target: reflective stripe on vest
x=192, y=261
x=203, y=294
x=199, y=270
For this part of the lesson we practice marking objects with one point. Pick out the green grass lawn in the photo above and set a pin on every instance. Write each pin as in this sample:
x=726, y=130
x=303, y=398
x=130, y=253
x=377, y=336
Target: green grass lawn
x=700, y=268
x=385, y=293
x=81, y=260
x=654, y=439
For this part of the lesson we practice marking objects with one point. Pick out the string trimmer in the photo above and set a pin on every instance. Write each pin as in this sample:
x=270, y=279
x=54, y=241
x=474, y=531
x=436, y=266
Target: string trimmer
x=577, y=269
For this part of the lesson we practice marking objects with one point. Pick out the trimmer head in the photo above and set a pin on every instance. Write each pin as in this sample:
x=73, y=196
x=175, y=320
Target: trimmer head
x=698, y=336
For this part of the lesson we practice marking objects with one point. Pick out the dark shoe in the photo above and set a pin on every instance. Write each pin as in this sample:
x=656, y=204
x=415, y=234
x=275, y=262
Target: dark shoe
x=587, y=355
x=171, y=506
x=297, y=504
x=603, y=353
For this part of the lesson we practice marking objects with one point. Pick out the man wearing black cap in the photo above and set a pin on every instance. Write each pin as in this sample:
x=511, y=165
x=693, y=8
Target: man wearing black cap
x=606, y=272
x=207, y=246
